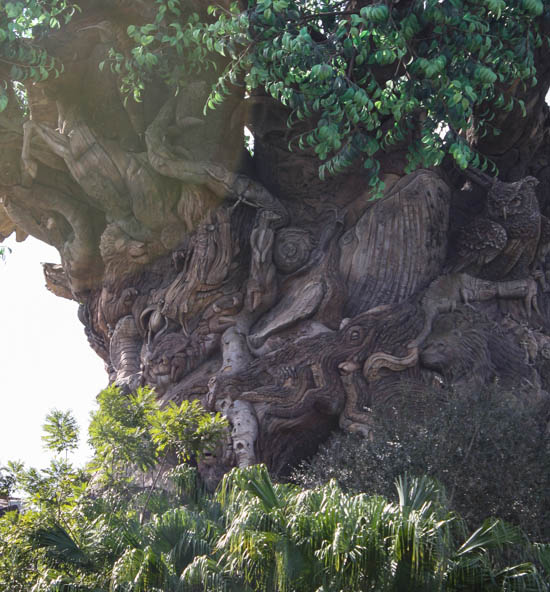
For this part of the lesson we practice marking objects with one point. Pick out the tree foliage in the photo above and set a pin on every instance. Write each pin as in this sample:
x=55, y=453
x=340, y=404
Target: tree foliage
x=259, y=536
x=130, y=432
x=253, y=534
x=358, y=78
x=383, y=74
x=21, y=25
x=121, y=535
x=60, y=431
x=79, y=529
x=420, y=72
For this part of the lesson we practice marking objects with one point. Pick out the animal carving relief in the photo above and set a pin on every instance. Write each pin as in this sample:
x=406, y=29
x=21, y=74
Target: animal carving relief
x=122, y=255
x=125, y=345
x=506, y=241
x=209, y=279
x=296, y=329
x=292, y=249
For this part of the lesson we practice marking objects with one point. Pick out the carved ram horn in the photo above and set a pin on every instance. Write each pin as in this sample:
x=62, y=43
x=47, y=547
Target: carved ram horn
x=383, y=360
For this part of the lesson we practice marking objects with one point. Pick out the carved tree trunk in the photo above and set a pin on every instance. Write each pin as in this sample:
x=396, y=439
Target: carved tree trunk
x=292, y=305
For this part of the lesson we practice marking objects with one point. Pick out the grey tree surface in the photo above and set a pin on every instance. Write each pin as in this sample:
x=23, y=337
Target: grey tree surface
x=291, y=304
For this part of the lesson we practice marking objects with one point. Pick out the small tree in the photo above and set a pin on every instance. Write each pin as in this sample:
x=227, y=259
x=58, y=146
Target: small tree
x=130, y=434
x=60, y=432
x=119, y=432
x=7, y=481
x=186, y=430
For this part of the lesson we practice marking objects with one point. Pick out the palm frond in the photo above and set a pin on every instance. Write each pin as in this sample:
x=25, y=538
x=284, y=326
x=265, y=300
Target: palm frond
x=60, y=547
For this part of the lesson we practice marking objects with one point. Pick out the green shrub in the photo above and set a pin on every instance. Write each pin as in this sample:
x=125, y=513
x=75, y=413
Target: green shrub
x=489, y=450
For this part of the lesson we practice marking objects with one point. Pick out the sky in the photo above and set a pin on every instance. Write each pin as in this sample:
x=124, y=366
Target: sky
x=45, y=359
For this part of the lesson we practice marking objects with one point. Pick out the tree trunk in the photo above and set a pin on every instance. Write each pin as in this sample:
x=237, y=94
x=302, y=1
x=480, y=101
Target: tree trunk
x=290, y=304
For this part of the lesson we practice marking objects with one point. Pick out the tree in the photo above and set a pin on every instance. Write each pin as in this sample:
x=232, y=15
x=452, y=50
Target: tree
x=7, y=481
x=361, y=247
x=60, y=432
x=129, y=434
x=88, y=529
x=469, y=443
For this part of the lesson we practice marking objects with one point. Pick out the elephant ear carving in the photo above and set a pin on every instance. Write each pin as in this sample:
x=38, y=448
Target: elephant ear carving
x=399, y=244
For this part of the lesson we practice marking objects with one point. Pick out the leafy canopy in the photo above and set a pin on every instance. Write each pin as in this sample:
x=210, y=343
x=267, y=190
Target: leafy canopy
x=357, y=82
x=418, y=73
x=21, y=26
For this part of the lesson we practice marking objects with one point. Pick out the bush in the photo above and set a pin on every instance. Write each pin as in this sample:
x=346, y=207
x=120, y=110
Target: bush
x=490, y=450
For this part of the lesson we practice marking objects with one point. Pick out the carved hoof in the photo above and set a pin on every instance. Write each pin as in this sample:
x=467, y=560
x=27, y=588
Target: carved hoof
x=531, y=303
x=29, y=172
x=348, y=367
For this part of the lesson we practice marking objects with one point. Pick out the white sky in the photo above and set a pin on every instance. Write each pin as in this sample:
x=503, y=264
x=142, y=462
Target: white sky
x=45, y=360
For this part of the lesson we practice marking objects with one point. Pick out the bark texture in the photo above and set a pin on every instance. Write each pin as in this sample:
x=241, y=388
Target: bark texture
x=292, y=305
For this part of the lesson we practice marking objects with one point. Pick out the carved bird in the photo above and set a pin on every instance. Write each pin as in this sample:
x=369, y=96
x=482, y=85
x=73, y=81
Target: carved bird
x=506, y=240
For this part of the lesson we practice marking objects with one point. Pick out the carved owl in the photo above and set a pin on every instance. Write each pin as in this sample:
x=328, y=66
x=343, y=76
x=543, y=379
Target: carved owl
x=503, y=243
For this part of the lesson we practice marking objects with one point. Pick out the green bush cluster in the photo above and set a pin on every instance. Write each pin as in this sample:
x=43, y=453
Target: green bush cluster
x=113, y=528
x=490, y=450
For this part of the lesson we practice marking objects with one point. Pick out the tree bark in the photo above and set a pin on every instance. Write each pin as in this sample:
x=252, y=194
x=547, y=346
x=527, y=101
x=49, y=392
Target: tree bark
x=292, y=305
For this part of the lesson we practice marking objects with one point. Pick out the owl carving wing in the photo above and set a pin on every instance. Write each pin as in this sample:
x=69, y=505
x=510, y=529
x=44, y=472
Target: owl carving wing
x=544, y=241
x=477, y=244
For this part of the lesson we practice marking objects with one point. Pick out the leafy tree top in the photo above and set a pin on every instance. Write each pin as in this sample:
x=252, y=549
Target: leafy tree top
x=60, y=431
x=358, y=78
x=418, y=72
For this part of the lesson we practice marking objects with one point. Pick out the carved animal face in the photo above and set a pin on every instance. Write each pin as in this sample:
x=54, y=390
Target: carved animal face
x=545, y=351
x=354, y=335
x=438, y=354
x=363, y=335
x=121, y=254
x=355, y=343
x=457, y=353
x=505, y=200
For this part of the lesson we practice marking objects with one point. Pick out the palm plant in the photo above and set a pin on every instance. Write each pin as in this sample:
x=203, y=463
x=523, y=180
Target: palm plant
x=116, y=552
x=265, y=537
x=279, y=538
x=74, y=561
x=169, y=543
